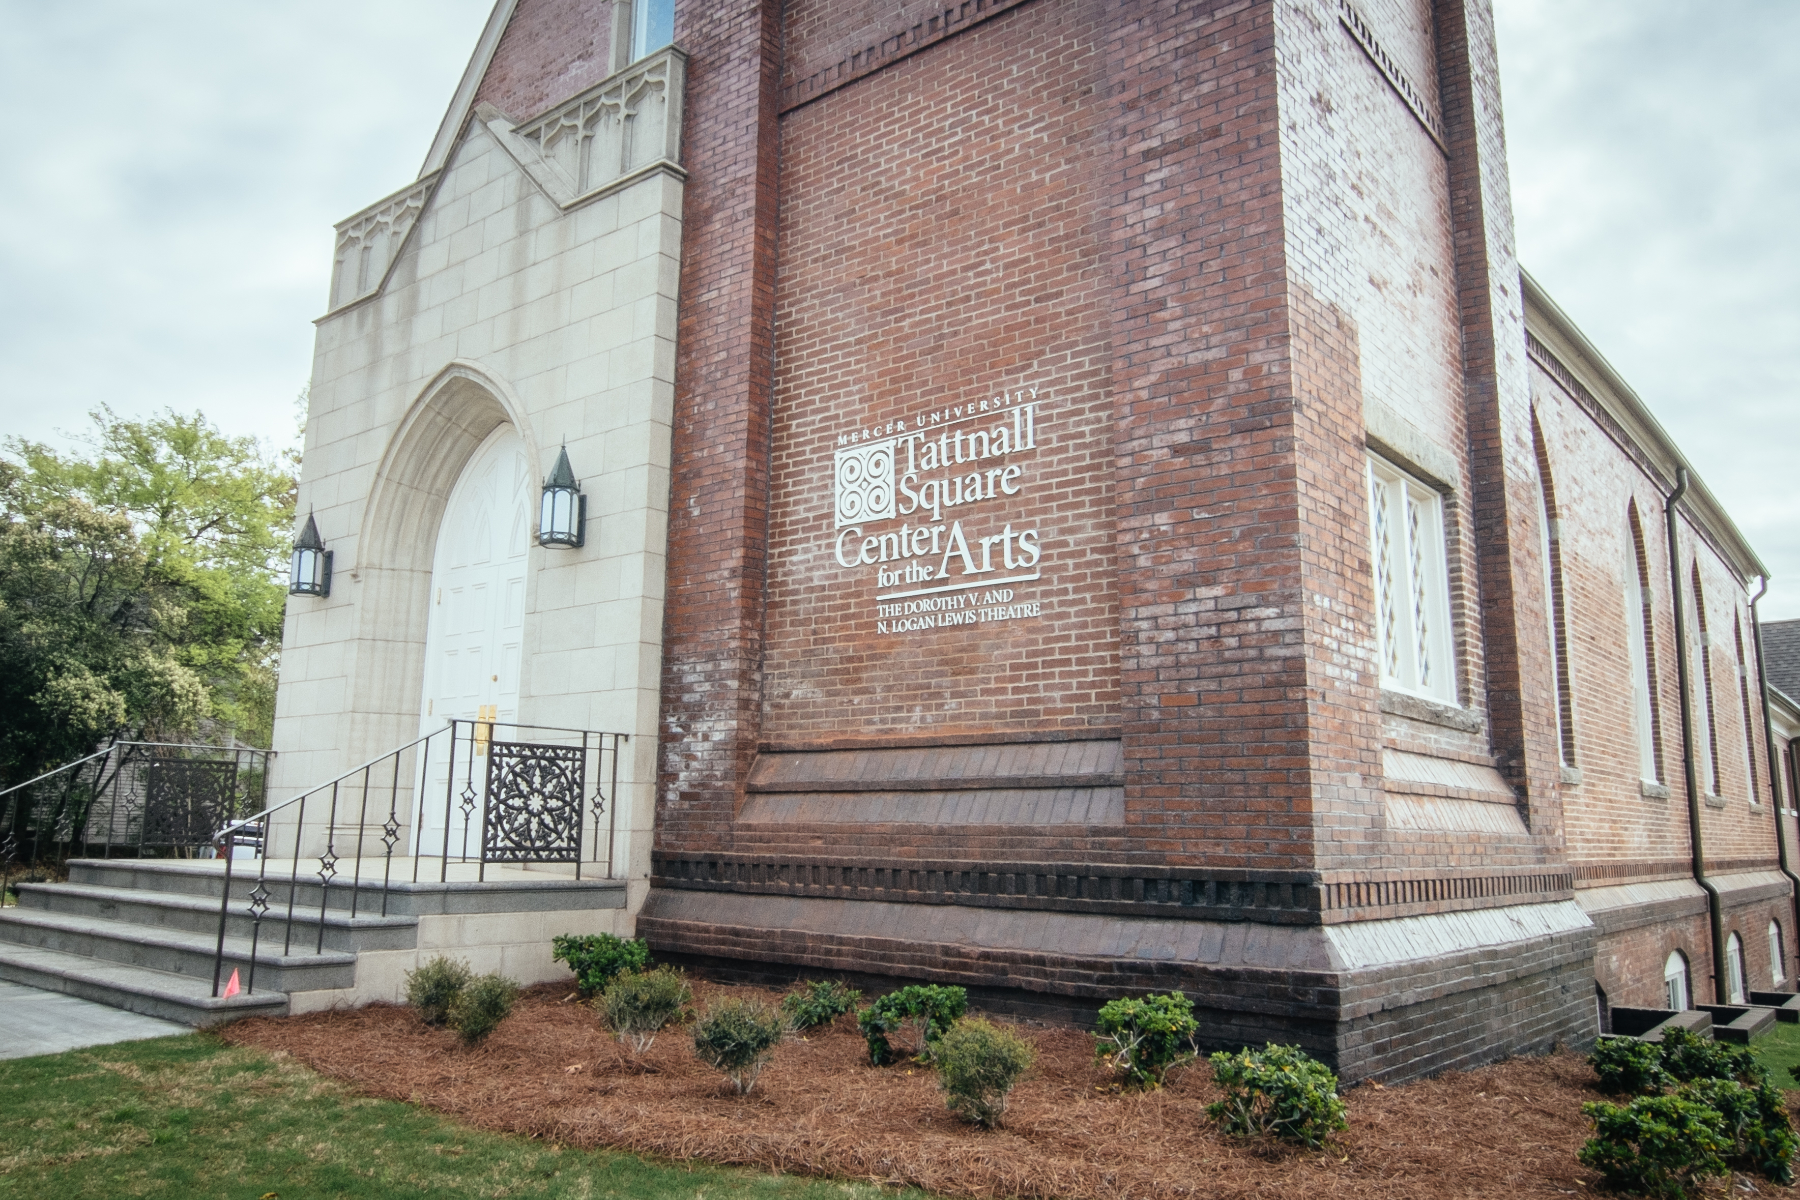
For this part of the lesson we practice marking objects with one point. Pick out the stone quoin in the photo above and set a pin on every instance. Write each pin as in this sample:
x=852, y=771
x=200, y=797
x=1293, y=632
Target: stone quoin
x=1081, y=499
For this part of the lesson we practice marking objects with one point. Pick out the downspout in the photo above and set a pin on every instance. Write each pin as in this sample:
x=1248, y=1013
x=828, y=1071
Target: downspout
x=1715, y=908
x=1775, y=788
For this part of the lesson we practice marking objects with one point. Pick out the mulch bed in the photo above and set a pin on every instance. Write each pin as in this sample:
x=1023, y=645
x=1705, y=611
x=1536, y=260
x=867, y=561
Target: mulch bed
x=552, y=1071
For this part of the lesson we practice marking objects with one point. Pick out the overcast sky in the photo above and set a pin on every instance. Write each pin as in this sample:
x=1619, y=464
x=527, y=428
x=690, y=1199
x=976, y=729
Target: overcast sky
x=165, y=226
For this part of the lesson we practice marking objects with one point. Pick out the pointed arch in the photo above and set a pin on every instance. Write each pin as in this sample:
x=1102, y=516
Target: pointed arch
x=1555, y=604
x=1704, y=643
x=1640, y=629
x=1743, y=674
x=431, y=444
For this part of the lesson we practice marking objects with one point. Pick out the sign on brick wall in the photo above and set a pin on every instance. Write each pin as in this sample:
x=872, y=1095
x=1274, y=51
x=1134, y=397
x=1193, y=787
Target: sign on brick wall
x=931, y=514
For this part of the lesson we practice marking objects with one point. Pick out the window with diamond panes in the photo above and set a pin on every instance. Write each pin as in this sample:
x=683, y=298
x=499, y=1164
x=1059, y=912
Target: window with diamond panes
x=1412, y=592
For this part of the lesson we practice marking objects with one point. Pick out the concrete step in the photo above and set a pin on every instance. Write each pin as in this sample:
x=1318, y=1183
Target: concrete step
x=187, y=913
x=1648, y=1024
x=176, y=952
x=507, y=889
x=1739, y=1023
x=172, y=997
x=1785, y=1004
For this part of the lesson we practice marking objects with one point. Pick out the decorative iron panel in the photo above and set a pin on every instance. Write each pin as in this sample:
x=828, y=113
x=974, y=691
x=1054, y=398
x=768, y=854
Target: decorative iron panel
x=187, y=800
x=533, y=811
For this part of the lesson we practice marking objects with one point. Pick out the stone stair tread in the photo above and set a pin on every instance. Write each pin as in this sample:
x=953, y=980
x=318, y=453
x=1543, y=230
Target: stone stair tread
x=236, y=948
x=186, y=990
x=195, y=903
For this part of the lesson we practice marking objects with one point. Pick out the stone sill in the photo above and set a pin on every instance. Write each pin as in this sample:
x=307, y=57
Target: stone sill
x=1652, y=790
x=1416, y=708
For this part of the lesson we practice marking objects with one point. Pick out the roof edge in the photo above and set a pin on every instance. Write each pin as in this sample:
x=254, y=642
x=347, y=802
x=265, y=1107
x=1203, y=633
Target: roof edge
x=1543, y=316
x=463, y=100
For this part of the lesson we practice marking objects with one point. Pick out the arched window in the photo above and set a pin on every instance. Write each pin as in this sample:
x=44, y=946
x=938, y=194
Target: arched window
x=1675, y=981
x=1550, y=527
x=1640, y=636
x=1743, y=670
x=1777, y=955
x=1734, y=970
x=1710, y=743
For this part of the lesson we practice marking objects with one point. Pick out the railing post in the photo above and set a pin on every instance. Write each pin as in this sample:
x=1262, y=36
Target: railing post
x=224, y=906
x=327, y=866
x=287, y=942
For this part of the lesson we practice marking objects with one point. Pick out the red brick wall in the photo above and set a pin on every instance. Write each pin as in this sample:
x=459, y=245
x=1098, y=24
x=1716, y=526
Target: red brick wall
x=551, y=50
x=1211, y=590
x=712, y=622
x=1607, y=816
x=928, y=276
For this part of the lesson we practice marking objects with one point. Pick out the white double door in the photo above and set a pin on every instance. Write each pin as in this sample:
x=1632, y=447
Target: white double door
x=475, y=633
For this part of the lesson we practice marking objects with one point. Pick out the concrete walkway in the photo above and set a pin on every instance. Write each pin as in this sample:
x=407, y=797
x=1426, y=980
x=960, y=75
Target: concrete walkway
x=33, y=1021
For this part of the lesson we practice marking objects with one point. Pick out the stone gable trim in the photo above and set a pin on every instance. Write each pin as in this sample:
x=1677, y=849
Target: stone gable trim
x=395, y=216
x=464, y=98
x=1262, y=897
x=1364, y=35
x=595, y=165
x=946, y=23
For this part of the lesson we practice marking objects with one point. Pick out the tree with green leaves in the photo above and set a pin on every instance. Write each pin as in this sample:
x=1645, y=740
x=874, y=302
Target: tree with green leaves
x=141, y=588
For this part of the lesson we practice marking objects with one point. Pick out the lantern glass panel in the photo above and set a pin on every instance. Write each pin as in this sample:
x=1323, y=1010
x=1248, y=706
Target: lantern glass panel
x=305, y=576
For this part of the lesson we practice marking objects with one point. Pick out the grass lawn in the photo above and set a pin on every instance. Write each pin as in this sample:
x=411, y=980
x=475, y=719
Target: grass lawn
x=190, y=1119
x=1778, y=1051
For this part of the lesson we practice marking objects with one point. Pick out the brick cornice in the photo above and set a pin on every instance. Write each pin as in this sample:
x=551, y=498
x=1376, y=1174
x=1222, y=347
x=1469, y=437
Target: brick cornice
x=1128, y=890
x=945, y=21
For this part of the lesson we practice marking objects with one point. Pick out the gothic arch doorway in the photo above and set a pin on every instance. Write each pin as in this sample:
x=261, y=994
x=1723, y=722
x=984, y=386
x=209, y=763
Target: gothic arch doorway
x=474, y=632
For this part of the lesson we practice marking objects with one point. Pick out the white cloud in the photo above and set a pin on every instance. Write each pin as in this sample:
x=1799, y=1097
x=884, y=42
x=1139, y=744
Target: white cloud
x=165, y=231
x=1655, y=161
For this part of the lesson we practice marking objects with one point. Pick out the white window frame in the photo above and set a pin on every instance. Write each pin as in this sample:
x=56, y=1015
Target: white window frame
x=1637, y=619
x=1675, y=981
x=1734, y=970
x=641, y=36
x=1777, y=955
x=1412, y=586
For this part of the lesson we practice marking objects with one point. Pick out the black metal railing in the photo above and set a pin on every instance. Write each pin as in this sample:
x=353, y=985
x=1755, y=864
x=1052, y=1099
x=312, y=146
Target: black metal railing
x=445, y=807
x=137, y=799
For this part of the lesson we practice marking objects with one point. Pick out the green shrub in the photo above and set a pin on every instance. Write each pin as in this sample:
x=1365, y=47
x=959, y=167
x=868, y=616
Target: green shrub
x=483, y=1003
x=1661, y=1146
x=638, y=1007
x=818, y=1002
x=599, y=958
x=1144, y=1039
x=978, y=1064
x=926, y=1011
x=738, y=1037
x=1688, y=1056
x=1627, y=1065
x=432, y=987
x=1278, y=1090
x=1757, y=1132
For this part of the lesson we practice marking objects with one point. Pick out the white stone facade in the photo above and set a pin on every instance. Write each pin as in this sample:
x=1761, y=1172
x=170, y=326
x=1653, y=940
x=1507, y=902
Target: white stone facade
x=502, y=288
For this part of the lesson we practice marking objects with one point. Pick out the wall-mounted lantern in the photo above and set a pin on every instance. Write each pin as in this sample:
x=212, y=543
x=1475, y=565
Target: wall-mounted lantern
x=311, y=572
x=562, y=519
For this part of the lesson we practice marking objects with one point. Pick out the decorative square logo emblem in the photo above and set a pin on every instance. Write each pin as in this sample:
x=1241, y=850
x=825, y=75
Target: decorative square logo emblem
x=863, y=482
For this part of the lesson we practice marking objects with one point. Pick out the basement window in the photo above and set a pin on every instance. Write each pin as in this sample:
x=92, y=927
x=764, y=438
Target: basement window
x=1734, y=969
x=1675, y=982
x=1412, y=590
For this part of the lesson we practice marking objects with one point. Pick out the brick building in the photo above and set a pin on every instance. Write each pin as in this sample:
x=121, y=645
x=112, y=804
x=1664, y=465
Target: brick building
x=1082, y=500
